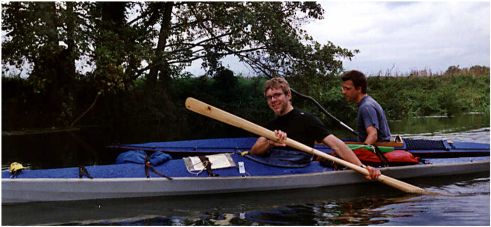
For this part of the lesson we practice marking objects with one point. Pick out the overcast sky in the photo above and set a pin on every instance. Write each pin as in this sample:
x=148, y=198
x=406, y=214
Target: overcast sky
x=403, y=36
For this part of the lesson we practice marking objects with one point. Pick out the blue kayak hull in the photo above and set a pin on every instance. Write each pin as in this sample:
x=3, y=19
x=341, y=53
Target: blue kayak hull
x=130, y=180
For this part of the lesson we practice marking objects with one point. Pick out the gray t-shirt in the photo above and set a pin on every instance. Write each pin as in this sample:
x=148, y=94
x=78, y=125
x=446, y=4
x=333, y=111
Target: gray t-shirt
x=370, y=113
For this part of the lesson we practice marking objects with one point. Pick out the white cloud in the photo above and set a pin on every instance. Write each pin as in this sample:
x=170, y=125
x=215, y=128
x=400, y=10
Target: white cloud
x=403, y=36
x=407, y=35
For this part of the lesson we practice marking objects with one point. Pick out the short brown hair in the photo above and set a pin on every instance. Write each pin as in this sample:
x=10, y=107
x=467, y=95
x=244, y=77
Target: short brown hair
x=359, y=79
x=277, y=82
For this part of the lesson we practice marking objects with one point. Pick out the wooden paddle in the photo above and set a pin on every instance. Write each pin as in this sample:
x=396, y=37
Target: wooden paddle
x=228, y=118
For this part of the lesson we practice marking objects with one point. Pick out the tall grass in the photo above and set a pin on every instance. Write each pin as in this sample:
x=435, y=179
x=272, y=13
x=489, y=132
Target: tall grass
x=451, y=93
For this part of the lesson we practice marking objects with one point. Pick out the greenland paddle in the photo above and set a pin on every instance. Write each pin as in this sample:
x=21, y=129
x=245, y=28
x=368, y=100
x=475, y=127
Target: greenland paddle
x=228, y=118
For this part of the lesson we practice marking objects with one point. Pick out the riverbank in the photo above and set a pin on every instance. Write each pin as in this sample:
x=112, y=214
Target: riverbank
x=139, y=114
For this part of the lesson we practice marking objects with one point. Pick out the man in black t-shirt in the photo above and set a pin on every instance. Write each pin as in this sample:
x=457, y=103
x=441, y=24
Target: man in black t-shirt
x=300, y=126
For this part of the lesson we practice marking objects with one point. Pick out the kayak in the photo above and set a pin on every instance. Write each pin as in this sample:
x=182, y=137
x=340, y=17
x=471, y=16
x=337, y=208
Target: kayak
x=185, y=172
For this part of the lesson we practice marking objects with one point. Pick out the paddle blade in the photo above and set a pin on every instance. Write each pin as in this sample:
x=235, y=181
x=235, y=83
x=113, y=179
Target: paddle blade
x=403, y=186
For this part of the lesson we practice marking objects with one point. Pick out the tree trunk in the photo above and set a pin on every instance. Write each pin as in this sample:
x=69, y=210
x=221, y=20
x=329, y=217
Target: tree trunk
x=48, y=66
x=111, y=29
x=71, y=47
x=160, y=68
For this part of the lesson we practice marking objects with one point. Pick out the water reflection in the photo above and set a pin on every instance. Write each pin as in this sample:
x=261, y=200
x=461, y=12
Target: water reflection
x=360, y=211
x=292, y=207
x=462, y=203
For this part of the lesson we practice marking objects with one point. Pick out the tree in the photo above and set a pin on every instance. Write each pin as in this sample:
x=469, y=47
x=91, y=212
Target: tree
x=125, y=41
x=265, y=35
x=44, y=34
x=162, y=38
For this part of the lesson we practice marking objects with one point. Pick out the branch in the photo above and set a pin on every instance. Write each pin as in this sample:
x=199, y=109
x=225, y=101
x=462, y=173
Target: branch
x=87, y=110
x=192, y=45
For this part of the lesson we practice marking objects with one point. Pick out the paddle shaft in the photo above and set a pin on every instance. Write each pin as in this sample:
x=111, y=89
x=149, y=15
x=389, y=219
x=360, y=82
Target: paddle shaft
x=228, y=118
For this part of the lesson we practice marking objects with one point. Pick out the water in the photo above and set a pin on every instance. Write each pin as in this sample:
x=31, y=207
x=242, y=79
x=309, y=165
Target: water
x=464, y=200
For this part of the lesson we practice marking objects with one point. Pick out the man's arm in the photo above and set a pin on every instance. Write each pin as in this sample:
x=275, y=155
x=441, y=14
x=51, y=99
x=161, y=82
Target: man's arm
x=372, y=135
x=341, y=149
x=262, y=145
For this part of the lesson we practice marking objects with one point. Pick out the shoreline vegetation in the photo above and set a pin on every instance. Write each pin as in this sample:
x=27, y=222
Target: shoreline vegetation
x=141, y=113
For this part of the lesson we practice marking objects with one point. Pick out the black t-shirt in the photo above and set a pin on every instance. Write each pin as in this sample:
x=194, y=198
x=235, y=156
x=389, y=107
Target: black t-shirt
x=300, y=126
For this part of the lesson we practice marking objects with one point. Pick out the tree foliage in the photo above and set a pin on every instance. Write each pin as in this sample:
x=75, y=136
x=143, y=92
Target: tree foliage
x=157, y=39
x=114, y=45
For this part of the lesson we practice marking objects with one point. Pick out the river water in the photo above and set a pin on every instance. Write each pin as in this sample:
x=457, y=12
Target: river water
x=464, y=200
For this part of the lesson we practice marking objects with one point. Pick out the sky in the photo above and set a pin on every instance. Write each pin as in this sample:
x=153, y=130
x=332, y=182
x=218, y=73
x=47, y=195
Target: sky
x=396, y=37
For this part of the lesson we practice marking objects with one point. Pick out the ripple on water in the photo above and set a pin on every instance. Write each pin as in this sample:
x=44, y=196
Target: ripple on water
x=461, y=203
x=480, y=135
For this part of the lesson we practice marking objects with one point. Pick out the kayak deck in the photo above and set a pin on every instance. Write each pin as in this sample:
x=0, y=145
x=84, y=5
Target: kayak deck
x=172, y=168
x=420, y=147
x=177, y=168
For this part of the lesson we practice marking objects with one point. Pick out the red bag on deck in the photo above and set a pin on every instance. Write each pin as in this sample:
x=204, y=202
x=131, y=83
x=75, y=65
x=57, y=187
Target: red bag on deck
x=396, y=157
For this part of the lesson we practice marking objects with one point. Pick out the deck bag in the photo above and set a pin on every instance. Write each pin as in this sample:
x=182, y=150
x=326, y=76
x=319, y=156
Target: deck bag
x=395, y=158
x=195, y=164
x=384, y=149
x=138, y=157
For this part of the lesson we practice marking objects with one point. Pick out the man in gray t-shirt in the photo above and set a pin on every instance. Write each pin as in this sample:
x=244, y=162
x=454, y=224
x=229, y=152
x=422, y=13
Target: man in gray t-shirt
x=371, y=121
